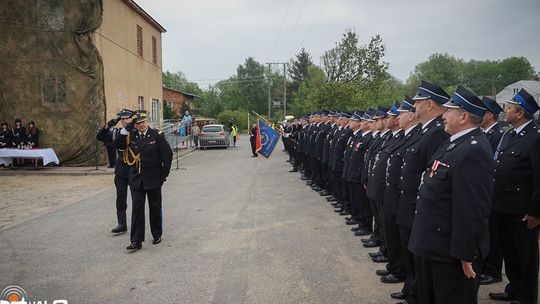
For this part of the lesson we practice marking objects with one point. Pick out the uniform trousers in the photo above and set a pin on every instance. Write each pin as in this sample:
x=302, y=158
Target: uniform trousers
x=121, y=184
x=137, y=215
x=393, y=245
x=519, y=246
x=445, y=282
x=409, y=262
x=377, y=219
x=365, y=212
x=493, y=262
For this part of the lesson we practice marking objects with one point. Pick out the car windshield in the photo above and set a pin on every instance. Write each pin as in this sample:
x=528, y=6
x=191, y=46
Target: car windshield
x=212, y=129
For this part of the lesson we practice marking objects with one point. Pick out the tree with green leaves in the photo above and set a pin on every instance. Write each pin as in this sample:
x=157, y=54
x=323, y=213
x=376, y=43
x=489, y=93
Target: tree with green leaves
x=484, y=77
x=350, y=62
x=298, y=70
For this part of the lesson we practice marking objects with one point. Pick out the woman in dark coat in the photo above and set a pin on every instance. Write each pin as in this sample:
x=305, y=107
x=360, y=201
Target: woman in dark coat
x=32, y=136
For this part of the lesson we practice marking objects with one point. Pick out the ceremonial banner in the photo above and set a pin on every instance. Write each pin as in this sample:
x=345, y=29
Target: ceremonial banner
x=267, y=139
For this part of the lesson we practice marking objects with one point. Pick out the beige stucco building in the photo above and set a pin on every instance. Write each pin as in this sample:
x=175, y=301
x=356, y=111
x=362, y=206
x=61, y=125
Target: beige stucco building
x=129, y=41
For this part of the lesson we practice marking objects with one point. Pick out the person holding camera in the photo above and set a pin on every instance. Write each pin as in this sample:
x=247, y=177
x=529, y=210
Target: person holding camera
x=149, y=156
x=109, y=133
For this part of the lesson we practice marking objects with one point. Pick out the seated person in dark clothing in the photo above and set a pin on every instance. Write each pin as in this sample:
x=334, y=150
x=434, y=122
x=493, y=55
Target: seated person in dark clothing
x=5, y=136
x=18, y=134
x=32, y=136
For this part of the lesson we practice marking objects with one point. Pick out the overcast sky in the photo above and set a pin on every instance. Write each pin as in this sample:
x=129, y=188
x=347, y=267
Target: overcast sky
x=207, y=40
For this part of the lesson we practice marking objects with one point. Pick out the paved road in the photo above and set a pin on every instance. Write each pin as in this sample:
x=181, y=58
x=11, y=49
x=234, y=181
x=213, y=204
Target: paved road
x=236, y=230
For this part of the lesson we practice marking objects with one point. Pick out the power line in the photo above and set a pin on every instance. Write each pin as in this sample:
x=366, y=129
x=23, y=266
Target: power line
x=280, y=28
x=314, y=22
x=294, y=28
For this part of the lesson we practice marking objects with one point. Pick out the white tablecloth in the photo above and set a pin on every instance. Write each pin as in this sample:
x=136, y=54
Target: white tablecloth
x=48, y=155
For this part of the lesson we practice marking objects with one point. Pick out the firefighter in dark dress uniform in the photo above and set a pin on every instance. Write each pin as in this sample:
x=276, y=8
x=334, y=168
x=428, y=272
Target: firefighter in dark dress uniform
x=5, y=135
x=149, y=156
x=428, y=109
x=450, y=231
x=492, y=271
x=412, y=132
x=517, y=199
x=109, y=133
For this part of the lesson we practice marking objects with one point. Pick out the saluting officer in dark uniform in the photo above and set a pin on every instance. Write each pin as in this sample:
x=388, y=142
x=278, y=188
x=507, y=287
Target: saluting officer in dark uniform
x=492, y=271
x=150, y=157
x=428, y=109
x=5, y=136
x=517, y=200
x=450, y=231
x=121, y=170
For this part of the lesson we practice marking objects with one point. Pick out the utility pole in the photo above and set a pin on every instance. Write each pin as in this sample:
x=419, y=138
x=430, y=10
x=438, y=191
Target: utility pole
x=269, y=90
x=284, y=87
x=284, y=90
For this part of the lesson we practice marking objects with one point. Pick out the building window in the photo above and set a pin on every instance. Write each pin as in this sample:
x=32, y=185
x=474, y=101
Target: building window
x=140, y=103
x=139, y=41
x=154, y=50
x=155, y=115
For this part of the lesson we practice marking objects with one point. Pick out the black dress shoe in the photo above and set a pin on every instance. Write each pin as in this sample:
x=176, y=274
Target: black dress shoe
x=382, y=272
x=156, y=241
x=335, y=204
x=317, y=189
x=354, y=229
x=331, y=199
x=119, y=229
x=350, y=218
x=293, y=170
x=344, y=212
x=392, y=279
x=339, y=209
x=380, y=259
x=362, y=232
x=353, y=222
x=366, y=240
x=371, y=244
x=397, y=295
x=487, y=279
x=134, y=246
x=325, y=193
x=376, y=254
x=501, y=296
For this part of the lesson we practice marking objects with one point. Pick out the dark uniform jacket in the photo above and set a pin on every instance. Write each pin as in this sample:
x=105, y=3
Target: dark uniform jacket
x=155, y=158
x=372, y=156
x=5, y=139
x=454, y=204
x=33, y=138
x=377, y=182
x=107, y=134
x=18, y=136
x=415, y=162
x=356, y=165
x=339, y=149
x=319, y=139
x=494, y=136
x=393, y=169
x=517, y=179
x=349, y=148
x=328, y=142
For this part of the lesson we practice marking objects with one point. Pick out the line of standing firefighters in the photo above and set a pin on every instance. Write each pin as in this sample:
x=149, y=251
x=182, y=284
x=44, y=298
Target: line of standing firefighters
x=437, y=185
